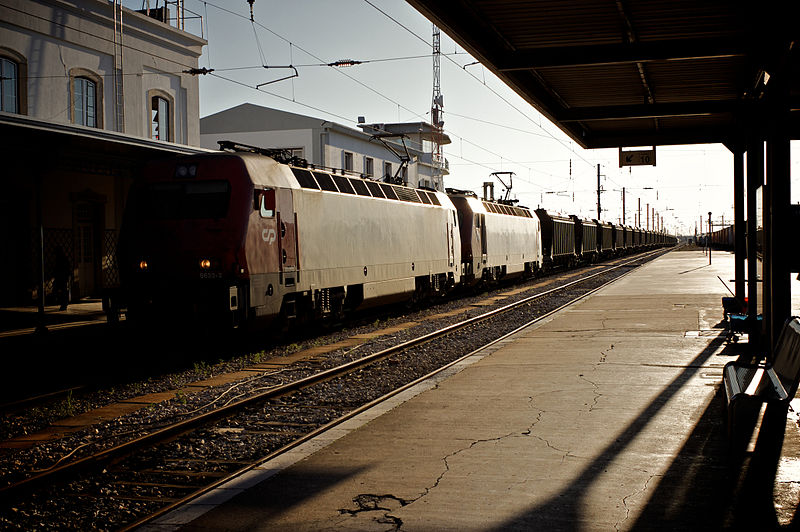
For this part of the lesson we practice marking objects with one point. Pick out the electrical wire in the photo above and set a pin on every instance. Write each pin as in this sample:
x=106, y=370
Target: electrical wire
x=504, y=99
x=309, y=106
x=359, y=82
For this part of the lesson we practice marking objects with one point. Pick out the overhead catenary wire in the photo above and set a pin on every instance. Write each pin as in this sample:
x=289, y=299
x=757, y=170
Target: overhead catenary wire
x=500, y=96
x=461, y=157
x=503, y=98
x=263, y=59
x=469, y=161
x=359, y=82
x=309, y=106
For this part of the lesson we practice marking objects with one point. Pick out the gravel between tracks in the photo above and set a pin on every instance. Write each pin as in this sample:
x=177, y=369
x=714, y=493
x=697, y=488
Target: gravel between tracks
x=255, y=432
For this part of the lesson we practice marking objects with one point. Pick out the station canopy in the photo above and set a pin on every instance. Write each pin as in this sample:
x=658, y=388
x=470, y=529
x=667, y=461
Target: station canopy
x=633, y=73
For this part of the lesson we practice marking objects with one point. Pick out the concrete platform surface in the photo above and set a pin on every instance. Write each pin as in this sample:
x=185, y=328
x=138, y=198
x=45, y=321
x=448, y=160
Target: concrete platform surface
x=21, y=321
x=607, y=416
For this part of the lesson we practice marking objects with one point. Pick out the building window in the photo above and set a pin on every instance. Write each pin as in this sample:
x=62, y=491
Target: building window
x=85, y=102
x=9, y=99
x=387, y=169
x=161, y=111
x=159, y=118
x=348, y=161
x=368, y=166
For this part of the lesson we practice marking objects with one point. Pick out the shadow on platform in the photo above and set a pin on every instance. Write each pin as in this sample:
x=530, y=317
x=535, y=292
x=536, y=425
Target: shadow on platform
x=265, y=502
x=707, y=486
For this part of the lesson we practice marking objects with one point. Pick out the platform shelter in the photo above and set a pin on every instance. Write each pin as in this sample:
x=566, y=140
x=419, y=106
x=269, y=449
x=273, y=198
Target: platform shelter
x=653, y=73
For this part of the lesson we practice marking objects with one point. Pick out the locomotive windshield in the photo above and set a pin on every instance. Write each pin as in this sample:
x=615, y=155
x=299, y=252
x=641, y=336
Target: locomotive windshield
x=186, y=200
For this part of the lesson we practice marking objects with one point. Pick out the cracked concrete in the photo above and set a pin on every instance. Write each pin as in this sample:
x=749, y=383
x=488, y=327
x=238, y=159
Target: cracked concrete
x=370, y=503
x=367, y=503
x=643, y=489
x=605, y=352
x=542, y=434
x=595, y=388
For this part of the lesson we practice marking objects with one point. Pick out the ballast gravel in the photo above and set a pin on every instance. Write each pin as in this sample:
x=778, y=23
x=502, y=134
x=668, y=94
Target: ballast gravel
x=145, y=482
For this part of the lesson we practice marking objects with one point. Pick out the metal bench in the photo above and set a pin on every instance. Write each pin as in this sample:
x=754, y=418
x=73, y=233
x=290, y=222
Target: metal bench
x=747, y=386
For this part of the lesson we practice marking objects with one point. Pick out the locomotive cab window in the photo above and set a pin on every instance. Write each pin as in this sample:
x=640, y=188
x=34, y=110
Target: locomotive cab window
x=265, y=202
x=187, y=200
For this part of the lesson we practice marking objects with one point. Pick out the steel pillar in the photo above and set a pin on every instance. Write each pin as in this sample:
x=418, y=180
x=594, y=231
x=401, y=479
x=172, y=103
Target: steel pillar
x=740, y=250
x=755, y=179
x=777, y=231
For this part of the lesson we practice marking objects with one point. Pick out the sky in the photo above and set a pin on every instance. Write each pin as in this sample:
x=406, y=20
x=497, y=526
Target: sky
x=491, y=128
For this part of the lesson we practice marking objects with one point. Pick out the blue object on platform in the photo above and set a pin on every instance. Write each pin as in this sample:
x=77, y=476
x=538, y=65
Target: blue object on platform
x=731, y=305
x=738, y=322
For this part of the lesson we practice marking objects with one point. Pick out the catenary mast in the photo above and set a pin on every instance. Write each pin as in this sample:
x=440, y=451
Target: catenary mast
x=437, y=111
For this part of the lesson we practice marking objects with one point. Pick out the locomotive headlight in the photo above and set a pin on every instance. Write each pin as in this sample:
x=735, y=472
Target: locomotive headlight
x=186, y=171
x=205, y=264
x=143, y=266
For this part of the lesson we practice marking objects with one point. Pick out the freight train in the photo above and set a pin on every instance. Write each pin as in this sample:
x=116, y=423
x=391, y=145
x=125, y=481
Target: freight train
x=721, y=238
x=246, y=236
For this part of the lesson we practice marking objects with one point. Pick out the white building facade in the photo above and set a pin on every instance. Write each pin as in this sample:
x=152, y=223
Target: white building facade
x=74, y=61
x=324, y=143
x=90, y=91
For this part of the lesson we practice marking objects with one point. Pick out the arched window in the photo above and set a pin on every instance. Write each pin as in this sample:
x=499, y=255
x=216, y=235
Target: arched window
x=9, y=88
x=84, y=102
x=161, y=111
x=159, y=118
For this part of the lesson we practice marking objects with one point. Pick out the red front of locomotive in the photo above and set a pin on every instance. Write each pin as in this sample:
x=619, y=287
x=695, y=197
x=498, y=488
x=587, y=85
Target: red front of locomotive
x=182, y=242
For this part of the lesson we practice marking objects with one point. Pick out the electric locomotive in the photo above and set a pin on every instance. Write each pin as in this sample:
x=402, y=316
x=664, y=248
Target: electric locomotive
x=248, y=235
x=498, y=240
x=240, y=238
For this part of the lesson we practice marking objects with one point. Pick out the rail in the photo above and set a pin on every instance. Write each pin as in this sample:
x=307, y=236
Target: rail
x=174, y=430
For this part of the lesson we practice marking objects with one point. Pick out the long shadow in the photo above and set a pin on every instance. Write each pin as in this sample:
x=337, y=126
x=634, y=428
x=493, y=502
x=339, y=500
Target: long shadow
x=564, y=511
x=262, y=504
x=695, y=269
x=712, y=486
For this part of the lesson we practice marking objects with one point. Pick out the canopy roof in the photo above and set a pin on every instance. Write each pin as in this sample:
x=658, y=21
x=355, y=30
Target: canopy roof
x=631, y=73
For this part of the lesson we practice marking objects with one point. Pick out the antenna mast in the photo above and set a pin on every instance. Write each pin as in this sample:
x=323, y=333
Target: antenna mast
x=437, y=111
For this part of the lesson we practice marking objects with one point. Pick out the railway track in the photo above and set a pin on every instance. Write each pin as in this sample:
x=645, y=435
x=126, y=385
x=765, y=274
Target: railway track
x=41, y=399
x=159, y=465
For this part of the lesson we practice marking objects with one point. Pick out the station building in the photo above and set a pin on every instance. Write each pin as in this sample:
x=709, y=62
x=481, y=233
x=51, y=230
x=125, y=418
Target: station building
x=332, y=145
x=90, y=90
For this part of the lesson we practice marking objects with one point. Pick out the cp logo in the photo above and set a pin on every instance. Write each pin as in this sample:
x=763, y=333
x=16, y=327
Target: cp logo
x=268, y=236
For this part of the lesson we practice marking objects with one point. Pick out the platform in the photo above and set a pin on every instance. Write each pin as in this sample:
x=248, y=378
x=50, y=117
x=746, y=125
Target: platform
x=23, y=321
x=606, y=416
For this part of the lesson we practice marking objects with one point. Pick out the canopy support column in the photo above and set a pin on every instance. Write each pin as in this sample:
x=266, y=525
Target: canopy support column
x=777, y=212
x=740, y=250
x=755, y=179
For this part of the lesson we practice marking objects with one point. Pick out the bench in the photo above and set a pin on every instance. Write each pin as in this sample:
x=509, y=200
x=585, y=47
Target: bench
x=748, y=386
